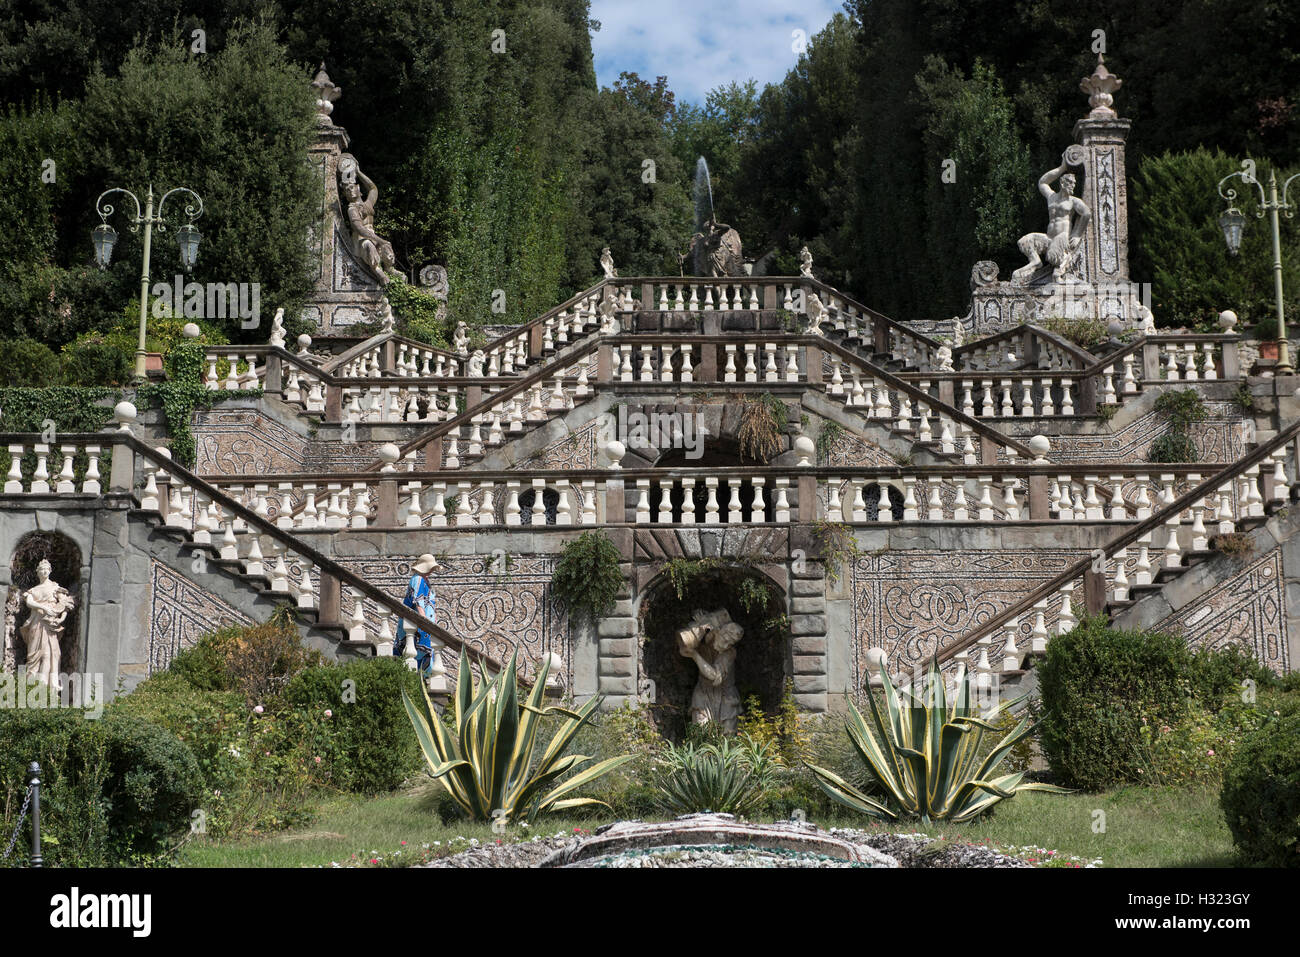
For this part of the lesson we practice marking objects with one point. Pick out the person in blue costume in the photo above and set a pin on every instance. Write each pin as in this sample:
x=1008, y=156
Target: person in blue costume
x=419, y=596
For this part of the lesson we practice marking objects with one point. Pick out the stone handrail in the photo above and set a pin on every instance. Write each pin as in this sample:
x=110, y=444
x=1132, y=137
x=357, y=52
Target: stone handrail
x=122, y=480
x=916, y=394
x=893, y=324
x=1082, y=356
x=1167, y=515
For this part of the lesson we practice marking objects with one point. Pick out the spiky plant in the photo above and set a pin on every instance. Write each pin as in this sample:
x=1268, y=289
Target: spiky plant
x=729, y=777
x=487, y=764
x=923, y=753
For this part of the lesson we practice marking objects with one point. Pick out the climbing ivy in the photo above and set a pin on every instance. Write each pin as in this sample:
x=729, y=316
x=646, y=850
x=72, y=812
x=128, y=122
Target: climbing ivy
x=418, y=313
x=1181, y=408
x=838, y=547
x=178, y=402
x=830, y=432
x=70, y=408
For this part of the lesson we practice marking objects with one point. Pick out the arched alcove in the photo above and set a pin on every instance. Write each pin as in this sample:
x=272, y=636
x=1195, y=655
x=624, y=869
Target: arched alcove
x=64, y=557
x=752, y=600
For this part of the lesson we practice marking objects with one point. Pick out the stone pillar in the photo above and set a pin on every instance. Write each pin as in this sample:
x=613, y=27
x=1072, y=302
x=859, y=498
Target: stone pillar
x=346, y=292
x=1105, y=186
x=330, y=599
x=333, y=403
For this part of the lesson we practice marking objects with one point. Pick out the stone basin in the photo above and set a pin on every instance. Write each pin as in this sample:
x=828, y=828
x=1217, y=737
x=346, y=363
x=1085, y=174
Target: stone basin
x=714, y=830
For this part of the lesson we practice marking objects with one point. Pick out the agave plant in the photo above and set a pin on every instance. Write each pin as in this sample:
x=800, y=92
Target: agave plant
x=487, y=763
x=729, y=777
x=923, y=753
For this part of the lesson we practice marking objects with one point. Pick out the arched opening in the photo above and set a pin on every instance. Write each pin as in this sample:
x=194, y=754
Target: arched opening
x=531, y=514
x=65, y=568
x=871, y=495
x=752, y=600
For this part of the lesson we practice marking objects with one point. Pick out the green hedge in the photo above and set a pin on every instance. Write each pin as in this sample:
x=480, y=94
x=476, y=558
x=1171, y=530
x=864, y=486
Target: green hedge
x=26, y=363
x=1261, y=795
x=114, y=791
x=366, y=738
x=90, y=363
x=1101, y=687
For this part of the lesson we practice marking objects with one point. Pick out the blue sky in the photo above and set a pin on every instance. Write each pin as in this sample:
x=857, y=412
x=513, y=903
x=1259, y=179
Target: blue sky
x=701, y=44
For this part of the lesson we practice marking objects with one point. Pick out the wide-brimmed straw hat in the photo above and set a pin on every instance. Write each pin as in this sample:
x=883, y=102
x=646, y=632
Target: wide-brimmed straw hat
x=425, y=564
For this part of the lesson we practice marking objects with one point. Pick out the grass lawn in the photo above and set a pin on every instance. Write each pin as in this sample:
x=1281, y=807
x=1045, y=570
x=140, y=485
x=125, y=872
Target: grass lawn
x=1144, y=827
x=391, y=829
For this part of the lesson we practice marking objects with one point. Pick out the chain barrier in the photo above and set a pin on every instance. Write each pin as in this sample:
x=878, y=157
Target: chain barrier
x=22, y=815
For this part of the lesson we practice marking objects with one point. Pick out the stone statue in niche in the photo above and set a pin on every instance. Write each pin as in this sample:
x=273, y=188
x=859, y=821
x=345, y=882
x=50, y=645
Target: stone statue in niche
x=607, y=264
x=1055, y=253
x=48, y=604
x=368, y=246
x=716, y=251
x=710, y=639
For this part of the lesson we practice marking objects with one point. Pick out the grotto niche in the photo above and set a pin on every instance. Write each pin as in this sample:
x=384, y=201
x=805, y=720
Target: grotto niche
x=65, y=568
x=675, y=601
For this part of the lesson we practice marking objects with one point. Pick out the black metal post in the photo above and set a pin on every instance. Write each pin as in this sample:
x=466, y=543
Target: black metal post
x=35, y=782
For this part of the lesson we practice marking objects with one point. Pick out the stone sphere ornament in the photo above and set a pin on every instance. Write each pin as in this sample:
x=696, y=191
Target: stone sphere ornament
x=1040, y=445
x=1227, y=320
x=124, y=414
x=614, y=452
x=805, y=449
x=191, y=330
x=389, y=454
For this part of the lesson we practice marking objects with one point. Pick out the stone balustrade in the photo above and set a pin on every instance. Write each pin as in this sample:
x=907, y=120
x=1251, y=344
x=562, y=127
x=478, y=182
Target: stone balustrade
x=67, y=467
x=1189, y=358
x=404, y=497
x=1171, y=530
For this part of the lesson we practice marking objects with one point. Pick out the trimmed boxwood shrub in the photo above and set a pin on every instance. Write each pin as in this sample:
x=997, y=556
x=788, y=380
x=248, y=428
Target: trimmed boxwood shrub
x=114, y=791
x=367, y=736
x=88, y=362
x=1098, y=685
x=26, y=363
x=1261, y=795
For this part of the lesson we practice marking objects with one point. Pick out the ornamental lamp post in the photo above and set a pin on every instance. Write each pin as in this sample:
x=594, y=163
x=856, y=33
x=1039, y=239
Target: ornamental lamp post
x=104, y=238
x=1232, y=220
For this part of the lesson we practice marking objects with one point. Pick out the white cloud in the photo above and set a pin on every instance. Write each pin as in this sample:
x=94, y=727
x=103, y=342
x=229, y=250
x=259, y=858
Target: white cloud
x=702, y=44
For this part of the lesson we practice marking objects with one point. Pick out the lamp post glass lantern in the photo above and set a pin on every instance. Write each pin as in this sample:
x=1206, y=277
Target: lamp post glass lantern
x=187, y=240
x=104, y=237
x=1232, y=222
